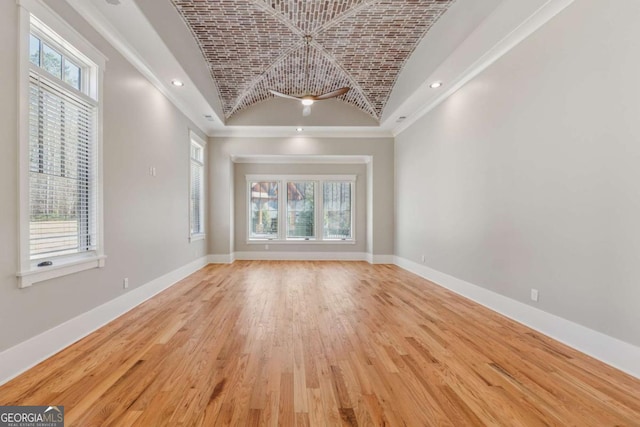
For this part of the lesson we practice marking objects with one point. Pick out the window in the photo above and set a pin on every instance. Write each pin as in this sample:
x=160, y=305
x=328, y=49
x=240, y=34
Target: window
x=60, y=191
x=300, y=210
x=196, y=205
x=263, y=210
x=313, y=208
x=336, y=203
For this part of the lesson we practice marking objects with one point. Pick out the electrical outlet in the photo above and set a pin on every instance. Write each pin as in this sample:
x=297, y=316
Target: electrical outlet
x=423, y=258
x=125, y=283
x=266, y=247
x=534, y=295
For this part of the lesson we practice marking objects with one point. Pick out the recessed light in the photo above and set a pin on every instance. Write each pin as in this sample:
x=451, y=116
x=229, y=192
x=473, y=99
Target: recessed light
x=435, y=85
x=299, y=129
x=177, y=82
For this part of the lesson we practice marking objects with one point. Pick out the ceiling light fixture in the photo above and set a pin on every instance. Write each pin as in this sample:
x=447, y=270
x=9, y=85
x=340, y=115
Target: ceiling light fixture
x=307, y=101
x=177, y=82
x=299, y=129
x=435, y=85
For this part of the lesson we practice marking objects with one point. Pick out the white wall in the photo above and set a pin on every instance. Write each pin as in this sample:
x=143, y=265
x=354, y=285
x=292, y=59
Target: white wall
x=146, y=218
x=379, y=190
x=528, y=176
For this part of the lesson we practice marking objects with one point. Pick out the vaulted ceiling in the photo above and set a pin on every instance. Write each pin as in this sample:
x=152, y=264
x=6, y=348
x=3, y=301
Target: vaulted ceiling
x=229, y=53
x=252, y=46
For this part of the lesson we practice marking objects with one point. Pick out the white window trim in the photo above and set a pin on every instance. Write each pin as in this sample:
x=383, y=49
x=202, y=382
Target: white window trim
x=318, y=209
x=29, y=273
x=195, y=138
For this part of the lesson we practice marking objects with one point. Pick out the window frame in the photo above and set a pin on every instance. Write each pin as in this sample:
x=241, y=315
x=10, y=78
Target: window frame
x=250, y=212
x=353, y=208
x=316, y=185
x=195, y=139
x=39, y=19
x=282, y=181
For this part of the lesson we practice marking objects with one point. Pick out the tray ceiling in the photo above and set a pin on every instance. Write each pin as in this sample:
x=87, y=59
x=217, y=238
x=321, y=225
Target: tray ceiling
x=252, y=46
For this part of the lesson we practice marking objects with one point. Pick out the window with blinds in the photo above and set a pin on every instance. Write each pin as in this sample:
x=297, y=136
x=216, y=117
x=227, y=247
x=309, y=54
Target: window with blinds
x=197, y=189
x=336, y=203
x=62, y=155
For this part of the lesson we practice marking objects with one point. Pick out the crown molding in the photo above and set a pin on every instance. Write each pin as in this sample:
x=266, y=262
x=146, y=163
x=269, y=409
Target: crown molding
x=308, y=131
x=149, y=55
x=507, y=26
x=305, y=159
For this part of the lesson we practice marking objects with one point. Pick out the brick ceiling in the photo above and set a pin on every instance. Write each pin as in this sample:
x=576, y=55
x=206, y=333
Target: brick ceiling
x=256, y=45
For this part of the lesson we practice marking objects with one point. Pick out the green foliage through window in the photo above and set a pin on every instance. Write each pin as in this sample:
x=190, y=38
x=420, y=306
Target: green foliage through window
x=60, y=66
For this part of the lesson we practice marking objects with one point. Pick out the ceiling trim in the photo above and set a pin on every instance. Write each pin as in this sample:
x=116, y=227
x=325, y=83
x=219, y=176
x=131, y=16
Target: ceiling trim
x=308, y=131
x=188, y=98
x=478, y=44
x=507, y=26
x=294, y=159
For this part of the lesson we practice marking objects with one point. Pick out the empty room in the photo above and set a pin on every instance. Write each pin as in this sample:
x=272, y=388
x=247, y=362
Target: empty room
x=319, y=212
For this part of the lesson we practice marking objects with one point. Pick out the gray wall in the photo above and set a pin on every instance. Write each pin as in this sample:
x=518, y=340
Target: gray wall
x=378, y=193
x=241, y=227
x=528, y=176
x=145, y=218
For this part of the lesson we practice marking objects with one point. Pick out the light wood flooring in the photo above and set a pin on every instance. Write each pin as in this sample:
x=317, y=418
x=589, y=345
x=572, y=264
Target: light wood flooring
x=322, y=343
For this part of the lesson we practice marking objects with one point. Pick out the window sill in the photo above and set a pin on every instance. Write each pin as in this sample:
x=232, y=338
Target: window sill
x=61, y=268
x=196, y=237
x=300, y=242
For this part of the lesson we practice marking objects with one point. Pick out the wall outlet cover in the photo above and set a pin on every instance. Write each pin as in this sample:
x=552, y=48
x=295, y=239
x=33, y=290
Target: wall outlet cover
x=534, y=295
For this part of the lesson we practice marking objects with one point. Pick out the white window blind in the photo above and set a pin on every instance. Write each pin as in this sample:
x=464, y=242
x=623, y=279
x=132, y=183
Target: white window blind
x=197, y=185
x=59, y=150
x=62, y=217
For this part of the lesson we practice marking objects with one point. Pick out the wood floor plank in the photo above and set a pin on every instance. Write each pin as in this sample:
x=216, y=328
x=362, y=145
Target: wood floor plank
x=322, y=344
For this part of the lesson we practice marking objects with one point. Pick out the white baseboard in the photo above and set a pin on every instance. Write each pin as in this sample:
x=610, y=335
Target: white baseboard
x=300, y=256
x=612, y=351
x=221, y=258
x=382, y=259
x=19, y=358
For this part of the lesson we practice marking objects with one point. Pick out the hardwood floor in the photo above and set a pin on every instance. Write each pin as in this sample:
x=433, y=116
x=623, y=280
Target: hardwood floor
x=322, y=343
